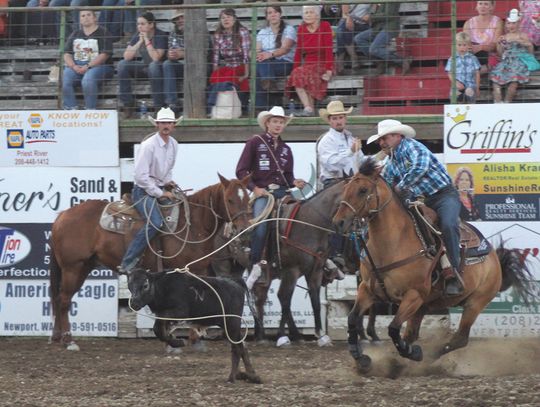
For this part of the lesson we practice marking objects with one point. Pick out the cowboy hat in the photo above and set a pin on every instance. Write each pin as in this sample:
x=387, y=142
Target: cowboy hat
x=335, y=107
x=176, y=14
x=390, y=126
x=276, y=111
x=513, y=16
x=165, y=115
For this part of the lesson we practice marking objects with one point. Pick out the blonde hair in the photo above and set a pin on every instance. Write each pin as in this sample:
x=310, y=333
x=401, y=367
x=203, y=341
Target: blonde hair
x=463, y=37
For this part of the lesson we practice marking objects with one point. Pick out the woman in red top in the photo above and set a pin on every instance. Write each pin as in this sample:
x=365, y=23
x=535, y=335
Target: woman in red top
x=313, y=60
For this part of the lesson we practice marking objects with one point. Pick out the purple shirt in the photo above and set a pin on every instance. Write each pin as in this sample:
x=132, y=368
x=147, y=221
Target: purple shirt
x=258, y=161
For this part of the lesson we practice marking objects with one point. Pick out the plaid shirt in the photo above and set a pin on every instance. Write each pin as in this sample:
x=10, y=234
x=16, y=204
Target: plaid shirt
x=466, y=67
x=224, y=50
x=413, y=167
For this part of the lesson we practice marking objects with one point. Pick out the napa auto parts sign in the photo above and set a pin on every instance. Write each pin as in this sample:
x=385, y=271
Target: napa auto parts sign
x=492, y=133
x=59, y=138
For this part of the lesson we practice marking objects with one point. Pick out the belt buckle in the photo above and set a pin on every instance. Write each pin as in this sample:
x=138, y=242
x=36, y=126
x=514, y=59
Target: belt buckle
x=273, y=187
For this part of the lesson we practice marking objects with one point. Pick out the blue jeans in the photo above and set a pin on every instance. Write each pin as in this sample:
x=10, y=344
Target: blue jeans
x=345, y=37
x=74, y=13
x=138, y=69
x=271, y=69
x=145, y=204
x=258, y=236
x=447, y=205
x=130, y=16
x=376, y=44
x=112, y=20
x=90, y=82
x=172, y=72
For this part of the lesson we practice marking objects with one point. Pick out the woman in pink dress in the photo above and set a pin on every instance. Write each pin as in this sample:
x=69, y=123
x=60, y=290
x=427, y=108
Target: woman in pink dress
x=530, y=20
x=313, y=61
x=484, y=31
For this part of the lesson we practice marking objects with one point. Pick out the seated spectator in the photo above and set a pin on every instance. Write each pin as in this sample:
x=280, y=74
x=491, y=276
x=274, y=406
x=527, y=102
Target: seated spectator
x=467, y=78
x=131, y=16
x=313, y=60
x=355, y=20
x=230, y=58
x=173, y=67
x=275, y=55
x=143, y=57
x=88, y=61
x=530, y=20
x=112, y=20
x=511, y=70
x=375, y=41
x=484, y=30
x=41, y=27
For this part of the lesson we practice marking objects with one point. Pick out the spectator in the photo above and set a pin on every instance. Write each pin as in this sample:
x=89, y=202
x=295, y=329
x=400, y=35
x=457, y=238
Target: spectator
x=355, y=20
x=230, y=58
x=275, y=54
x=467, y=74
x=484, y=30
x=375, y=41
x=464, y=183
x=313, y=59
x=143, y=57
x=112, y=20
x=173, y=67
x=131, y=16
x=511, y=70
x=88, y=61
x=74, y=15
x=41, y=27
x=530, y=20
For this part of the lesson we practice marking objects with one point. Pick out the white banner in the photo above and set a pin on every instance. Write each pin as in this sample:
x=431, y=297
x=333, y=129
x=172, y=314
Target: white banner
x=492, y=133
x=25, y=309
x=28, y=195
x=59, y=138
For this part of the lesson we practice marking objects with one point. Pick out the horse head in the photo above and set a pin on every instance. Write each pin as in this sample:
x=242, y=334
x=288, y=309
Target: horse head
x=363, y=197
x=235, y=201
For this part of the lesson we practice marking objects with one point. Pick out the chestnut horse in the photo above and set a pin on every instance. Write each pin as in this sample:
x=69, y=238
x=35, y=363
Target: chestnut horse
x=79, y=244
x=401, y=270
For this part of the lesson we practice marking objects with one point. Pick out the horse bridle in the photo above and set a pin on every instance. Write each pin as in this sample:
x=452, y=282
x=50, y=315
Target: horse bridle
x=372, y=212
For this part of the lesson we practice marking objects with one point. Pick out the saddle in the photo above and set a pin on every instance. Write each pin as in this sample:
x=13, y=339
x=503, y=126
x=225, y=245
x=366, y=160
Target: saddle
x=474, y=246
x=122, y=217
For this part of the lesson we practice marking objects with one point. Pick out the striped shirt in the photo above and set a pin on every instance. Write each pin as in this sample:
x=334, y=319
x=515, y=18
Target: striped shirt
x=413, y=167
x=225, y=52
x=154, y=163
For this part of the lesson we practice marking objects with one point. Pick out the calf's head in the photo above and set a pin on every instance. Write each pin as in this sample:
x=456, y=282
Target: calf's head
x=142, y=285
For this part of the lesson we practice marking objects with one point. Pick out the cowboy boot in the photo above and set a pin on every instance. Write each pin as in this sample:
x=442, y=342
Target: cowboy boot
x=453, y=284
x=354, y=57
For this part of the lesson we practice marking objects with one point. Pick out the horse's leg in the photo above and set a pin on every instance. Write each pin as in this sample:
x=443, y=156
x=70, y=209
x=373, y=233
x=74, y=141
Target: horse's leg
x=261, y=294
x=410, y=303
x=285, y=293
x=235, y=361
x=371, y=324
x=412, y=331
x=314, y=282
x=361, y=305
x=360, y=328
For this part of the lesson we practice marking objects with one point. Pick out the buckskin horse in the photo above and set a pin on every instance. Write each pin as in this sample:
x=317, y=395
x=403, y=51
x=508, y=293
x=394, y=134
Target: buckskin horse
x=401, y=270
x=79, y=243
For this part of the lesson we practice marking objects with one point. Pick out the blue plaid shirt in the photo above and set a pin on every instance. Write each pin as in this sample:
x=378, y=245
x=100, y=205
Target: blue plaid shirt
x=413, y=167
x=466, y=67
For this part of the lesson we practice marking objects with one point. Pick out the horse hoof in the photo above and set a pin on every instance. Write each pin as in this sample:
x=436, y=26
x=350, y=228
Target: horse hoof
x=171, y=350
x=363, y=364
x=324, y=340
x=283, y=341
x=416, y=353
x=73, y=346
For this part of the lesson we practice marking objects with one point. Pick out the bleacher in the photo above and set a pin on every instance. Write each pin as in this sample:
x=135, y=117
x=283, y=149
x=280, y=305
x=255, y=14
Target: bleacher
x=425, y=36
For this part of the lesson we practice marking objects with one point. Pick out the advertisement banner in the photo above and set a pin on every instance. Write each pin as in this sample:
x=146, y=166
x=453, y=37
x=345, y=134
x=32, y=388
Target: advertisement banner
x=59, y=138
x=498, y=192
x=30, y=196
x=500, y=133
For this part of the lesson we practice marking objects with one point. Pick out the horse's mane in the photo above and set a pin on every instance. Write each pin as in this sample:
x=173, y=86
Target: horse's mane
x=202, y=195
x=368, y=166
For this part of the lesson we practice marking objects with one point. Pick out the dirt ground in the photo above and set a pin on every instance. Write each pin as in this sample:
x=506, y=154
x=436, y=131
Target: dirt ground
x=126, y=372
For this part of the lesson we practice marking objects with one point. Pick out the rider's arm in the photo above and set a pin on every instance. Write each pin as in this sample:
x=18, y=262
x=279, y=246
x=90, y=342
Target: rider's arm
x=418, y=159
x=142, y=171
x=245, y=164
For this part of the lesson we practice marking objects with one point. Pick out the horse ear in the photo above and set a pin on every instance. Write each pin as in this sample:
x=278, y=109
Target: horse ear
x=224, y=181
x=245, y=180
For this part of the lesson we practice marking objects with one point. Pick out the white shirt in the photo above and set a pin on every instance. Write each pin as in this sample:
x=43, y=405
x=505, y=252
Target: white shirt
x=154, y=163
x=267, y=39
x=335, y=155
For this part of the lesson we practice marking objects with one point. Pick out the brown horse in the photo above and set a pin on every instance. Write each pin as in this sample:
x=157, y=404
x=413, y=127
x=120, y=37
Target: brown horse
x=79, y=243
x=401, y=270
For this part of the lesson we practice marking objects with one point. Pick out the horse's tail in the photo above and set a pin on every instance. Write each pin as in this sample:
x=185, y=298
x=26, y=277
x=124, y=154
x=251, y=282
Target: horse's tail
x=55, y=278
x=515, y=272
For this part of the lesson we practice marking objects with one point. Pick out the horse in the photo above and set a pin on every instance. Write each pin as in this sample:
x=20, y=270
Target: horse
x=79, y=243
x=399, y=269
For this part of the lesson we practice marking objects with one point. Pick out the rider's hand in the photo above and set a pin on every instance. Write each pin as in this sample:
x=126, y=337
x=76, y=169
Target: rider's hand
x=168, y=195
x=258, y=191
x=299, y=183
x=170, y=186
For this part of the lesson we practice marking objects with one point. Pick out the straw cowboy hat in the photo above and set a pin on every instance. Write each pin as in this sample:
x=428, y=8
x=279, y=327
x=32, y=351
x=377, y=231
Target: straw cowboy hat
x=276, y=111
x=390, y=126
x=165, y=115
x=335, y=107
x=176, y=14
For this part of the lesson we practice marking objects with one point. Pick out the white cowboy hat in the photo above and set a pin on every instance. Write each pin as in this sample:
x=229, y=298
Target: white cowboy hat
x=176, y=14
x=335, y=107
x=165, y=115
x=390, y=126
x=513, y=16
x=276, y=111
